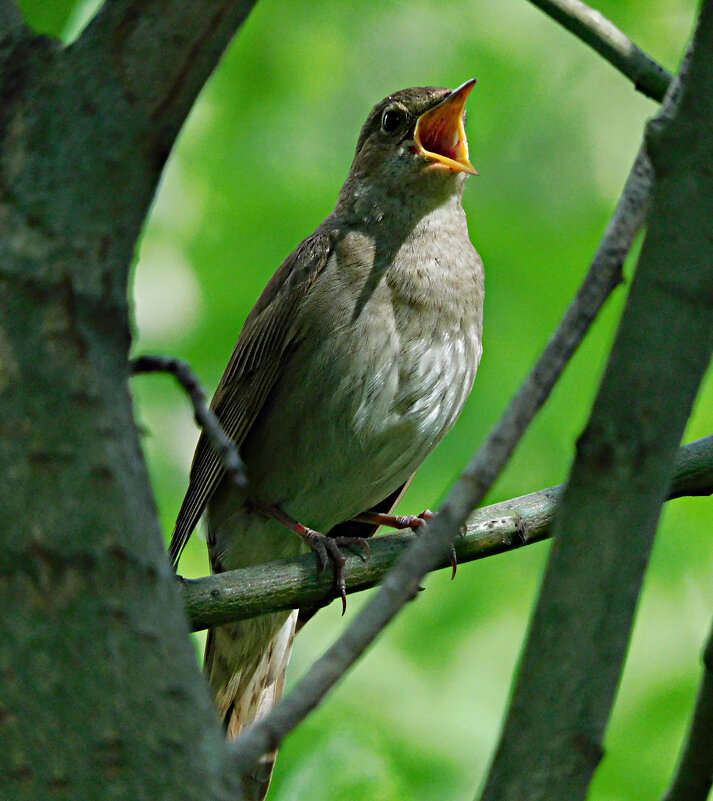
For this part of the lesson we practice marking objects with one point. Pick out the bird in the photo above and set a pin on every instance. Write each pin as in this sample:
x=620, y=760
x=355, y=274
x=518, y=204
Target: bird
x=354, y=362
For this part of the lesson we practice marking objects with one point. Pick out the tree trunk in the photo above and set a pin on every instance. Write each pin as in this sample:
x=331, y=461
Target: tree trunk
x=101, y=695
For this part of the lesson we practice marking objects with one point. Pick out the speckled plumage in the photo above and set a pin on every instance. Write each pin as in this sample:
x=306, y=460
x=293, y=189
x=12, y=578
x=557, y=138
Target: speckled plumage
x=355, y=361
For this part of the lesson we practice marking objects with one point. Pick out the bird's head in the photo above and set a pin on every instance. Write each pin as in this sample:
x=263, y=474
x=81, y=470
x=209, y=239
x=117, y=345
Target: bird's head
x=412, y=142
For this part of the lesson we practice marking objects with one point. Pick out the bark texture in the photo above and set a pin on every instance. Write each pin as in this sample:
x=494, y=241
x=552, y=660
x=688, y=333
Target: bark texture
x=552, y=741
x=100, y=692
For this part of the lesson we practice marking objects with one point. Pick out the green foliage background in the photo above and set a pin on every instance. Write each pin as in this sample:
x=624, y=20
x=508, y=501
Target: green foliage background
x=553, y=130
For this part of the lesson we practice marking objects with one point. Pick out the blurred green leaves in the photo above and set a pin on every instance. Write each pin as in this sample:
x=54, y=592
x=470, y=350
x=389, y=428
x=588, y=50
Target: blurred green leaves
x=63, y=19
x=47, y=17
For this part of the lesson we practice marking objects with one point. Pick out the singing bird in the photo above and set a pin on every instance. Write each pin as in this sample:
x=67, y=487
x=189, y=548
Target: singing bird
x=355, y=361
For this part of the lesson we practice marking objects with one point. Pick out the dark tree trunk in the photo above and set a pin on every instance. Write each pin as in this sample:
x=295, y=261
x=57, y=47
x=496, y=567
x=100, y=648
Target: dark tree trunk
x=101, y=696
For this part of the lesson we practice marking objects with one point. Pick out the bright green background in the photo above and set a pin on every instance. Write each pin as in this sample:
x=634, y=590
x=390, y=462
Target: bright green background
x=553, y=130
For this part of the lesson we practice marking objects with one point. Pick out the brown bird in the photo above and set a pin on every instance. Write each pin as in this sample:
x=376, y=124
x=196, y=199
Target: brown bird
x=352, y=365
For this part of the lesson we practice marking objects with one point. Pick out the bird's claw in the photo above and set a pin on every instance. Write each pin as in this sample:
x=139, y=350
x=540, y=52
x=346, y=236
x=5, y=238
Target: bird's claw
x=316, y=542
x=353, y=542
x=454, y=561
x=327, y=548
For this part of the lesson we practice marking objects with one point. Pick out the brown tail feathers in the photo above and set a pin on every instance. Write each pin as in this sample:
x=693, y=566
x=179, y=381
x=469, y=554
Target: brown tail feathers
x=246, y=664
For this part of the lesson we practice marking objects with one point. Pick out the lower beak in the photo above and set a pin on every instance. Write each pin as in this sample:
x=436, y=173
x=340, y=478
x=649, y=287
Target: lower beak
x=440, y=134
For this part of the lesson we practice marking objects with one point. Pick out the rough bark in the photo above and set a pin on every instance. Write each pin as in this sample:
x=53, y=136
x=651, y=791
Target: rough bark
x=100, y=692
x=552, y=741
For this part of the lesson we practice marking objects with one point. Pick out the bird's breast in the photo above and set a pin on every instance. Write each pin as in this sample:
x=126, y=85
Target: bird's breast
x=381, y=367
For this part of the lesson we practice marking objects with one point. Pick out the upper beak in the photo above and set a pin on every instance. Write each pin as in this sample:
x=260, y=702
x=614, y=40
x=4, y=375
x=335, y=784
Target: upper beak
x=440, y=134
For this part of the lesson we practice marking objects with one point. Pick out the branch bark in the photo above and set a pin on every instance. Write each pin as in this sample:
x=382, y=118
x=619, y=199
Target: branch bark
x=593, y=28
x=11, y=21
x=694, y=775
x=159, y=54
x=551, y=743
x=505, y=526
x=12, y=32
x=91, y=612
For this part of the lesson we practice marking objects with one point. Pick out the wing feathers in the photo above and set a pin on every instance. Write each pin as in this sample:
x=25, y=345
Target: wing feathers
x=251, y=372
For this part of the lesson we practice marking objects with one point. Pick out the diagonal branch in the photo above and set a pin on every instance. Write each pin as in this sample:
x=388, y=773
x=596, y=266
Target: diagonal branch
x=593, y=28
x=694, y=775
x=579, y=635
x=294, y=583
x=429, y=550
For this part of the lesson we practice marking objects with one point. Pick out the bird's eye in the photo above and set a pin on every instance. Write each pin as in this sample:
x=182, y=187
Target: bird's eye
x=392, y=120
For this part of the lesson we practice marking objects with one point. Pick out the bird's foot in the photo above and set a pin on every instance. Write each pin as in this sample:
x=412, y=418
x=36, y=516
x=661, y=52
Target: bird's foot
x=325, y=548
x=414, y=522
x=396, y=521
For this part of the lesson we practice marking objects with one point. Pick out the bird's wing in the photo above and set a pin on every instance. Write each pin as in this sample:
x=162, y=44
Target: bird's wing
x=251, y=372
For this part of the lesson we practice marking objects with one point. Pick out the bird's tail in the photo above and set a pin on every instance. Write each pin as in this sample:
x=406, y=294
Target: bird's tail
x=246, y=664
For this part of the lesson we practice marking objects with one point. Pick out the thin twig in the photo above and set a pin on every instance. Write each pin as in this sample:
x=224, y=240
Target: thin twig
x=205, y=417
x=294, y=583
x=694, y=775
x=432, y=547
x=593, y=28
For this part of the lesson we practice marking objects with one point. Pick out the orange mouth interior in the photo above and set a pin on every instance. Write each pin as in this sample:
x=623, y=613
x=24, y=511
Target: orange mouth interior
x=440, y=133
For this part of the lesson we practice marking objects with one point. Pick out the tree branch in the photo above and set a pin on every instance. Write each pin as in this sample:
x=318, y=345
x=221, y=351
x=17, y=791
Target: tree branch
x=432, y=547
x=84, y=133
x=12, y=30
x=694, y=775
x=162, y=52
x=205, y=417
x=552, y=739
x=11, y=20
x=593, y=28
x=293, y=583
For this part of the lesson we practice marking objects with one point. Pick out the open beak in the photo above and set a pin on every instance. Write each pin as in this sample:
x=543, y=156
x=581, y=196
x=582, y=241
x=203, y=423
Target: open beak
x=440, y=134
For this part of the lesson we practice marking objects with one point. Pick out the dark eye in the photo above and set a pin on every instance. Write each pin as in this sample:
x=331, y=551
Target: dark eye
x=392, y=120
